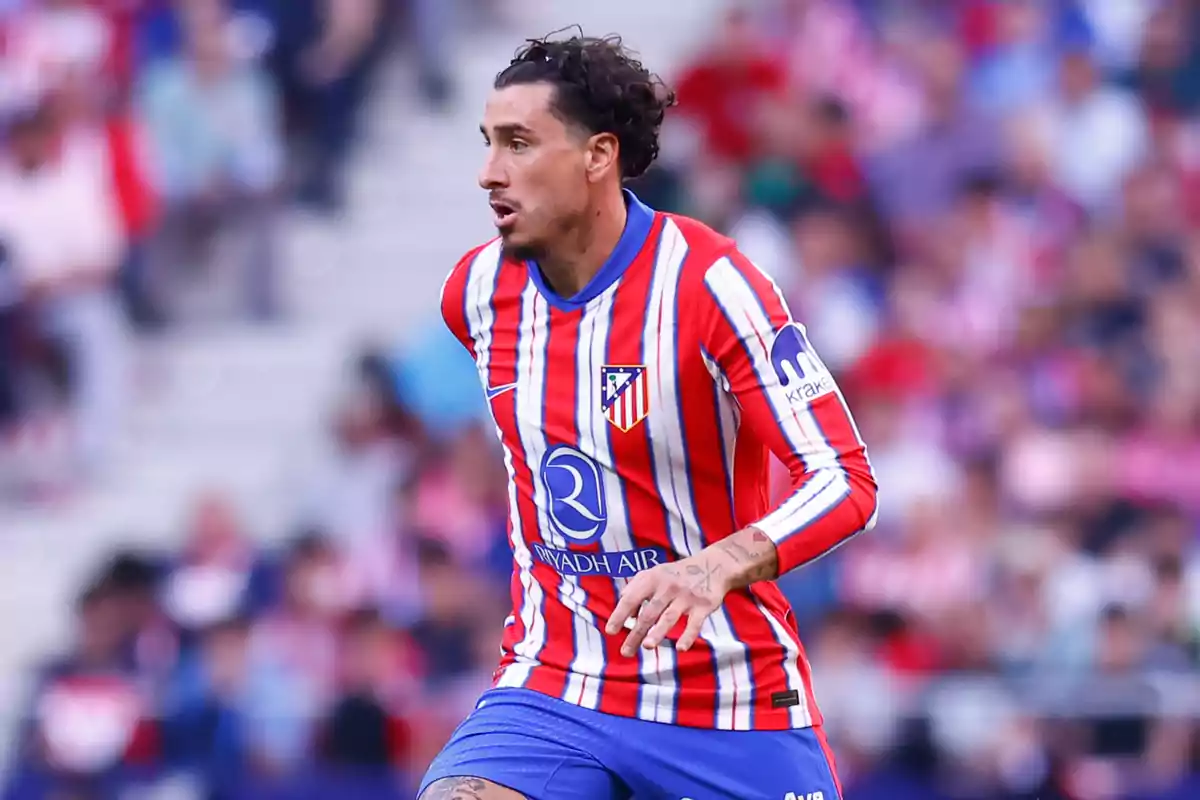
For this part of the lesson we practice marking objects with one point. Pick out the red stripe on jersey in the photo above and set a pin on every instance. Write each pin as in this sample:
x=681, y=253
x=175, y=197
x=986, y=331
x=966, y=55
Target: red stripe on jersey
x=562, y=385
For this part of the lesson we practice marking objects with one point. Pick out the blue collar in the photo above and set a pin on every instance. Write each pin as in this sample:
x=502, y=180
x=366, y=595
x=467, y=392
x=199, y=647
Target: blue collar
x=639, y=219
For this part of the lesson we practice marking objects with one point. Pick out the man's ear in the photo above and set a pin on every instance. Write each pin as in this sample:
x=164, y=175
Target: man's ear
x=603, y=154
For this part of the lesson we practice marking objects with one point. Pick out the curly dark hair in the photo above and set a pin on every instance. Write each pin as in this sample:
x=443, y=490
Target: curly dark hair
x=601, y=87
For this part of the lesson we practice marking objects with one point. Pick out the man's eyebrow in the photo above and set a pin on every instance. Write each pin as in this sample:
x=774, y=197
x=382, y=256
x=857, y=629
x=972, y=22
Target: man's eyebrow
x=508, y=129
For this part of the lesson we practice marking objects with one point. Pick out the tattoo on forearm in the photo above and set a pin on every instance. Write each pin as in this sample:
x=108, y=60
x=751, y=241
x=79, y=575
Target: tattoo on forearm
x=738, y=553
x=457, y=789
x=756, y=559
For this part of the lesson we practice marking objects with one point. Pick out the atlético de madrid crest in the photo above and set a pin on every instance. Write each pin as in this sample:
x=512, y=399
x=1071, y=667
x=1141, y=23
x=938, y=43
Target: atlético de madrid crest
x=624, y=394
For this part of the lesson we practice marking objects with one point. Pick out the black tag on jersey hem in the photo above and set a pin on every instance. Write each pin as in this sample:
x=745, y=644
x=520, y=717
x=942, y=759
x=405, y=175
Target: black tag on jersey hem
x=785, y=699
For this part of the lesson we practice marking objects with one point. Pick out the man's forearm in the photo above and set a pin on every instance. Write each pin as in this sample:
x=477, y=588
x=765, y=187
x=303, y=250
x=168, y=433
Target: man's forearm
x=746, y=557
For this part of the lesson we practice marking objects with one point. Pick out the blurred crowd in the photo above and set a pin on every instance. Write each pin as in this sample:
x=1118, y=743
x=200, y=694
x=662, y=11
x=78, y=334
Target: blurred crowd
x=987, y=214
x=150, y=151
x=985, y=211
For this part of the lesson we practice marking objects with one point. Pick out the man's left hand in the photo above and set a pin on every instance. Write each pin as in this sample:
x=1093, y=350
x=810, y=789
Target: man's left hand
x=658, y=598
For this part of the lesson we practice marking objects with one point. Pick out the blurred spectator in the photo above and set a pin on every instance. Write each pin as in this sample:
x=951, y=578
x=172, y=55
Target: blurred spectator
x=204, y=727
x=1020, y=64
x=728, y=89
x=832, y=286
x=1166, y=70
x=1098, y=131
x=323, y=58
x=9, y=299
x=459, y=498
x=349, y=490
x=56, y=41
x=366, y=729
x=919, y=176
x=829, y=50
x=90, y=711
x=215, y=134
x=435, y=378
x=218, y=576
x=60, y=219
x=293, y=659
x=455, y=637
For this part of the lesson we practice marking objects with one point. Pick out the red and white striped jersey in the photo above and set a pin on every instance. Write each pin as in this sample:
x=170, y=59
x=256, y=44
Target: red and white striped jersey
x=637, y=419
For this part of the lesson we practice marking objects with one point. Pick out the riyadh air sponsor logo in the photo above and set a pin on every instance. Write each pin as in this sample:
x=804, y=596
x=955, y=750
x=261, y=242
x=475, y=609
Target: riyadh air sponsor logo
x=575, y=490
x=617, y=564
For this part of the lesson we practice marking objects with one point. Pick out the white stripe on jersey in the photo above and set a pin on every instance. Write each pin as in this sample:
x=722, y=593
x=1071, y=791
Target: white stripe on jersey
x=665, y=430
x=594, y=429
x=481, y=284
x=729, y=419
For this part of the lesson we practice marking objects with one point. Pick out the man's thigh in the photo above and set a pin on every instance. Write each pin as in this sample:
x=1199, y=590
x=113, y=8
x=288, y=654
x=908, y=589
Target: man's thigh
x=517, y=744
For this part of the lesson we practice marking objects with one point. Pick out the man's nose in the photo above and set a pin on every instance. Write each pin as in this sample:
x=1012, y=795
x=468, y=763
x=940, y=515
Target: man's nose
x=493, y=175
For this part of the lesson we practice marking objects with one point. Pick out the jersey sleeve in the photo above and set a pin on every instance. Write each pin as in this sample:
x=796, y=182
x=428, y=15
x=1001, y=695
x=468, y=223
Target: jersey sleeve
x=453, y=301
x=790, y=401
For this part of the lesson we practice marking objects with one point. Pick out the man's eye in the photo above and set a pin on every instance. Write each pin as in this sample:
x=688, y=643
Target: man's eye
x=516, y=145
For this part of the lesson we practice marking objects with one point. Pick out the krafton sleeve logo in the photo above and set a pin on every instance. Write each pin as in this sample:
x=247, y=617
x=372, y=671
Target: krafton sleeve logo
x=801, y=373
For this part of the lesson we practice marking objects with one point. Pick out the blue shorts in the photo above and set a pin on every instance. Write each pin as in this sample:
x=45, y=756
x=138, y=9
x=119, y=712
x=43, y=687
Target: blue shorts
x=548, y=749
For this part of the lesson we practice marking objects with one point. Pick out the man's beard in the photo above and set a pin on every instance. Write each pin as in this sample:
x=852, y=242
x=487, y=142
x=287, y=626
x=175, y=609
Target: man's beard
x=561, y=229
x=522, y=252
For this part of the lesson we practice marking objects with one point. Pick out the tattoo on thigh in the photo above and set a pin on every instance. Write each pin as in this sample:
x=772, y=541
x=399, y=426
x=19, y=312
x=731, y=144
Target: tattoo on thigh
x=466, y=789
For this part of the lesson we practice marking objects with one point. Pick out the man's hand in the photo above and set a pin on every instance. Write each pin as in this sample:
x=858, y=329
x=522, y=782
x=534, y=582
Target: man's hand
x=692, y=587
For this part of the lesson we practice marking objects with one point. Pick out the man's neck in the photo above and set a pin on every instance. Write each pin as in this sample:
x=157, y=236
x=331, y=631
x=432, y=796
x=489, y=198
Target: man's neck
x=572, y=264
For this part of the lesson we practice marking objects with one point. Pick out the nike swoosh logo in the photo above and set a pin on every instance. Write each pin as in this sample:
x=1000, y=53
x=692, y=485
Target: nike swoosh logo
x=495, y=391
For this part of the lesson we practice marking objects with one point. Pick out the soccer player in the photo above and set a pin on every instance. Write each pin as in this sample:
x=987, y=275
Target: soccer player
x=639, y=370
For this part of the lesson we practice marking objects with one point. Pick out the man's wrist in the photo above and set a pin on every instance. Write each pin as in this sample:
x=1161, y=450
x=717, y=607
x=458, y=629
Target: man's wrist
x=746, y=557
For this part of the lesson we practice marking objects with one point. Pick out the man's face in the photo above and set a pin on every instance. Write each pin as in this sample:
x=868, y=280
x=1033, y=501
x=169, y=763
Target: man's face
x=536, y=169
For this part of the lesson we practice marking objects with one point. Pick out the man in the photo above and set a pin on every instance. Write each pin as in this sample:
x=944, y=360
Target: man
x=639, y=370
